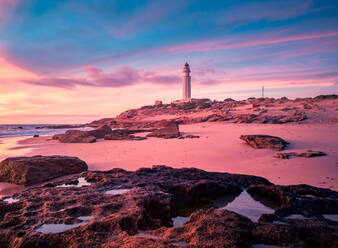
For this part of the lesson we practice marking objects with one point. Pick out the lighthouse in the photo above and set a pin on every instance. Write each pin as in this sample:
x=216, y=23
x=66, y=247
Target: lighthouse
x=186, y=82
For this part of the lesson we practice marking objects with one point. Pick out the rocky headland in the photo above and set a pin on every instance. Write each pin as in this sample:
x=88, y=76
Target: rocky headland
x=251, y=110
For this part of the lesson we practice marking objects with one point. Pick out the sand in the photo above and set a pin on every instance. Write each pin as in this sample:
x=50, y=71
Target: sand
x=218, y=149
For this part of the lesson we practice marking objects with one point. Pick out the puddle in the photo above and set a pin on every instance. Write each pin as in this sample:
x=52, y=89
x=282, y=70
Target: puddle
x=332, y=217
x=278, y=222
x=11, y=200
x=7, y=189
x=296, y=217
x=312, y=196
x=245, y=205
x=86, y=218
x=146, y=235
x=82, y=182
x=179, y=221
x=267, y=246
x=59, y=228
x=117, y=191
x=180, y=243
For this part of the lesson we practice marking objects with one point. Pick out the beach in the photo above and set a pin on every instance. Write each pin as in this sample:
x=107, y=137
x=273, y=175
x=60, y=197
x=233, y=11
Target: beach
x=218, y=149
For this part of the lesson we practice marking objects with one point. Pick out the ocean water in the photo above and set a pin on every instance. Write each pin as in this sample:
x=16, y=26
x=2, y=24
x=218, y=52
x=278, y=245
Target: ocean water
x=17, y=130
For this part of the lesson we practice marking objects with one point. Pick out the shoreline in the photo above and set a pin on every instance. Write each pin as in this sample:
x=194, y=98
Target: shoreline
x=218, y=149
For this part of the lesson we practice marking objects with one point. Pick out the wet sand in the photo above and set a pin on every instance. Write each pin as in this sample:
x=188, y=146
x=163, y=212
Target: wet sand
x=218, y=149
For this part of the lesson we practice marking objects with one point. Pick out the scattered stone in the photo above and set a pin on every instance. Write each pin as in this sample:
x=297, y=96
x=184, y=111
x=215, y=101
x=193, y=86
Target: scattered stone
x=189, y=136
x=37, y=169
x=308, y=154
x=264, y=142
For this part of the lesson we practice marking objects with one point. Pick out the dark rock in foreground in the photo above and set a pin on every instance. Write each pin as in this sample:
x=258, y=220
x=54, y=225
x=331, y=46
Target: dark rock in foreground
x=168, y=132
x=37, y=169
x=134, y=209
x=264, y=142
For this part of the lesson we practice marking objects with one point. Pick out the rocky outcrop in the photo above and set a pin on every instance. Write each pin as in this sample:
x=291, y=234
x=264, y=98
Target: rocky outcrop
x=75, y=136
x=251, y=110
x=100, y=132
x=122, y=134
x=168, y=132
x=37, y=169
x=264, y=142
x=135, y=209
x=307, y=154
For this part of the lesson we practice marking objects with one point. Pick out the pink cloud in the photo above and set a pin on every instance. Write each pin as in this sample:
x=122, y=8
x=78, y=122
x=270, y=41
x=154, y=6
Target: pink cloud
x=6, y=7
x=247, y=41
x=121, y=77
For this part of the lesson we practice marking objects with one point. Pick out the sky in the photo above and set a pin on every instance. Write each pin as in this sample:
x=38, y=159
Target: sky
x=74, y=61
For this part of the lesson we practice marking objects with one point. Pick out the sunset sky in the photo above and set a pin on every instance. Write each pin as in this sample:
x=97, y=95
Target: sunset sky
x=78, y=60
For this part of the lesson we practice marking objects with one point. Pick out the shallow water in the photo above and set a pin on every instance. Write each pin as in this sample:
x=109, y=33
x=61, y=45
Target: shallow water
x=6, y=148
x=86, y=218
x=278, y=222
x=332, y=217
x=59, y=228
x=11, y=200
x=244, y=204
x=179, y=221
x=117, y=191
x=297, y=217
x=7, y=189
x=146, y=235
x=267, y=246
x=82, y=182
x=180, y=243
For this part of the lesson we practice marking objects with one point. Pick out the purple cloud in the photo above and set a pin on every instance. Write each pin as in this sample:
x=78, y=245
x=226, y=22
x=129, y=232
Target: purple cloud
x=123, y=76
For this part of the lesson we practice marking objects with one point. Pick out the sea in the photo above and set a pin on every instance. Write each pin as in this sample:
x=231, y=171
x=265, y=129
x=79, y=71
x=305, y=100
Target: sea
x=17, y=130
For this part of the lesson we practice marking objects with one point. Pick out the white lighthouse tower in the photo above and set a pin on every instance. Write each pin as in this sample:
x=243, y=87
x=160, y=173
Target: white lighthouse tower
x=186, y=82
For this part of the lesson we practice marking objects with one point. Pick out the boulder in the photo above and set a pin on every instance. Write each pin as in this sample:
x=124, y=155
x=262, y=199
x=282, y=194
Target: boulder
x=75, y=136
x=100, y=132
x=168, y=132
x=37, y=169
x=264, y=142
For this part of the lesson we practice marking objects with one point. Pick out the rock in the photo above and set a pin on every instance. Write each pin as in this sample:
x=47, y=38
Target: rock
x=158, y=102
x=189, y=136
x=145, y=201
x=122, y=134
x=168, y=132
x=37, y=169
x=307, y=154
x=310, y=154
x=264, y=142
x=100, y=132
x=35, y=136
x=284, y=155
x=75, y=136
